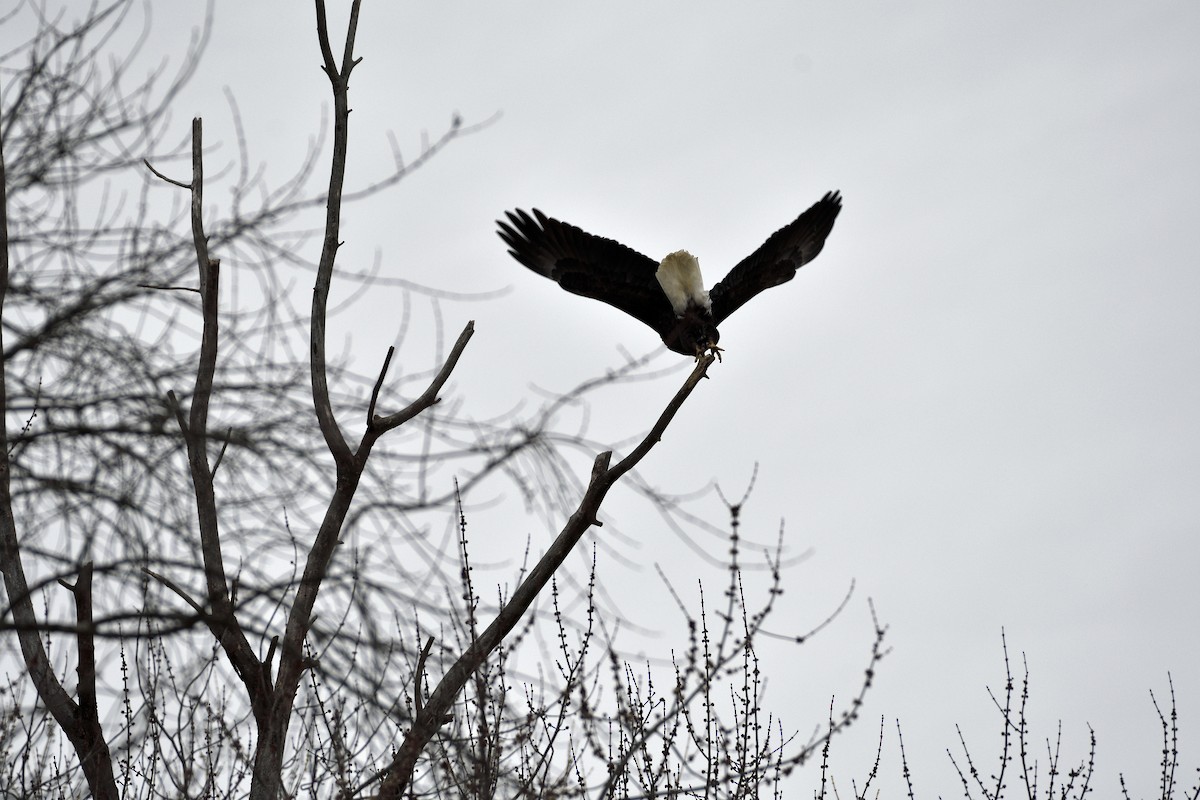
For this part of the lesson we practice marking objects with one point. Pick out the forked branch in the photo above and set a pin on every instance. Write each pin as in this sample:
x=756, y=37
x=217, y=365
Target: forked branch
x=350, y=463
x=429, y=396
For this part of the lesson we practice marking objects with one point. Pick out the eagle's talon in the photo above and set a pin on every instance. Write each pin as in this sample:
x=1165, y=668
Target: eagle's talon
x=712, y=348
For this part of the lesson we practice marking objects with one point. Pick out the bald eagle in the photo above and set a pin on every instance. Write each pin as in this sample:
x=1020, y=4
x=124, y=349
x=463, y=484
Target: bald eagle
x=668, y=296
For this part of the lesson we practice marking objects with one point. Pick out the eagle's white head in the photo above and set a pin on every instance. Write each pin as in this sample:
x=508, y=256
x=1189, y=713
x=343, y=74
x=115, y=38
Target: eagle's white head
x=680, y=279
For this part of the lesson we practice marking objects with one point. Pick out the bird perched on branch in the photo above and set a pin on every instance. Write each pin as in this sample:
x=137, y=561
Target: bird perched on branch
x=668, y=296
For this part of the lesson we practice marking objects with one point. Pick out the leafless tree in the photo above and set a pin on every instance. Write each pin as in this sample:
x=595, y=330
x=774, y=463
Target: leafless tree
x=120, y=354
x=1023, y=764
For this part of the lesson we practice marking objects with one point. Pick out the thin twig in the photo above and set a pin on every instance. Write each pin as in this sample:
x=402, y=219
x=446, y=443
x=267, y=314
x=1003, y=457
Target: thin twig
x=221, y=455
x=418, y=701
x=168, y=288
x=160, y=176
x=177, y=589
x=387, y=360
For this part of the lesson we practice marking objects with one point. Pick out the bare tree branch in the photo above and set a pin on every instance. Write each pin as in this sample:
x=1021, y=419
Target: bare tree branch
x=162, y=177
x=273, y=728
x=222, y=621
x=430, y=396
x=399, y=772
x=339, y=79
x=178, y=590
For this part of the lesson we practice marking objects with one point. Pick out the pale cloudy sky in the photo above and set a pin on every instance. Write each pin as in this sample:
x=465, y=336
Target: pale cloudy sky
x=979, y=403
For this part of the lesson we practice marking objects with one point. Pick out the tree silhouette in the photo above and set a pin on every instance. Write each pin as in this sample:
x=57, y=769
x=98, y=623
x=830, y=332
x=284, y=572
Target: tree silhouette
x=162, y=464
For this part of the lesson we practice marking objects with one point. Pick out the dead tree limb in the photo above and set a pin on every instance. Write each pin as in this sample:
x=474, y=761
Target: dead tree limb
x=339, y=79
x=399, y=773
x=222, y=620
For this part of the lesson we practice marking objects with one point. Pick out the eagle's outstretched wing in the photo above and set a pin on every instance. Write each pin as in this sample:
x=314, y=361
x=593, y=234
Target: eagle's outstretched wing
x=588, y=265
x=776, y=262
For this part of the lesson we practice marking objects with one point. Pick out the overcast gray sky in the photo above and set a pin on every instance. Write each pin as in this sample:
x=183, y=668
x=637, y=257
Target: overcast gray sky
x=979, y=403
